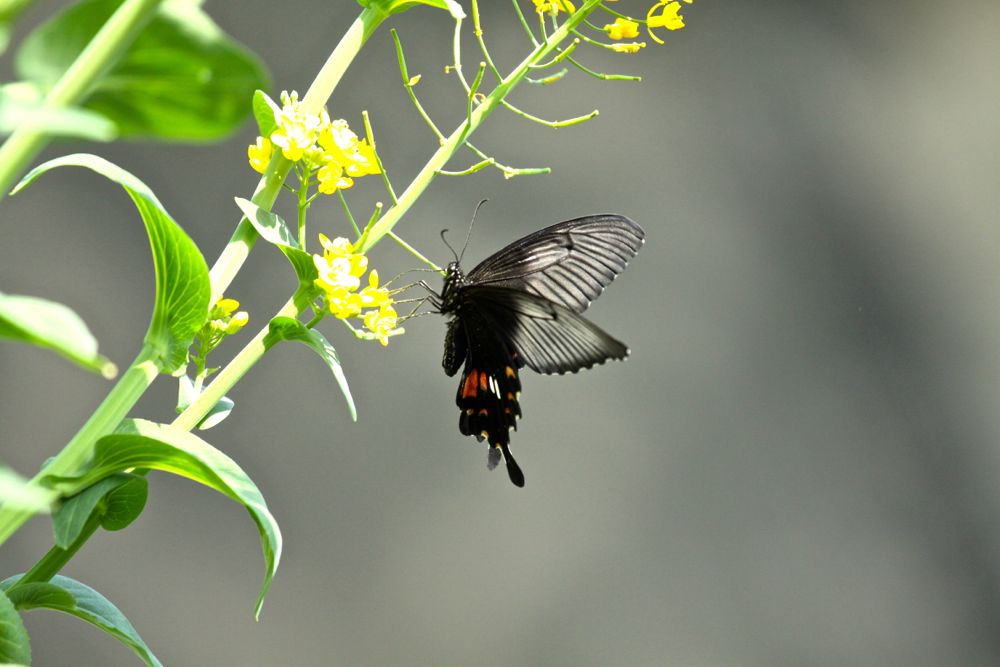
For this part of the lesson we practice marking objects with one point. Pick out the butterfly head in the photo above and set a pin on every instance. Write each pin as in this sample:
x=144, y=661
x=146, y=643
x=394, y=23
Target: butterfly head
x=454, y=278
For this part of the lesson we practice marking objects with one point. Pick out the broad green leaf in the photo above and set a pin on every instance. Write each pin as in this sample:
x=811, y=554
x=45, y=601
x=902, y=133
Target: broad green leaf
x=77, y=599
x=15, y=646
x=125, y=503
x=143, y=444
x=17, y=492
x=119, y=498
x=54, y=326
x=182, y=78
x=182, y=284
x=265, y=111
x=36, y=594
x=395, y=6
x=273, y=229
x=20, y=106
x=287, y=328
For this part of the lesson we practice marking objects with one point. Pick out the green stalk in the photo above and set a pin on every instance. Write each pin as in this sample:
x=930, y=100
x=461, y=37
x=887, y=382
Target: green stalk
x=105, y=419
x=114, y=37
x=230, y=375
x=454, y=141
x=51, y=563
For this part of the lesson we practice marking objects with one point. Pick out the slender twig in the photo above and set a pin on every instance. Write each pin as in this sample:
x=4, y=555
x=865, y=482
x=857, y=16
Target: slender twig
x=604, y=77
x=408, y=83
x=471, y=170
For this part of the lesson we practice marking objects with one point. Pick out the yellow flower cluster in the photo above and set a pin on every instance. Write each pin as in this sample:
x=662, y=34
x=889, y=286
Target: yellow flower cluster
x=662, y=14
x=340, y=271
x=328, y=148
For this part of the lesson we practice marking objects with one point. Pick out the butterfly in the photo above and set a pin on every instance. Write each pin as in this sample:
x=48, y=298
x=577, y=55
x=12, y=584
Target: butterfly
x=521, y=307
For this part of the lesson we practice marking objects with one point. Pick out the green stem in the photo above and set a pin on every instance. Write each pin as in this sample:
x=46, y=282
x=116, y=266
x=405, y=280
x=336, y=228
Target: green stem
x=454, y=141
x=230, y=375
x=106, y=417
x=303, y=207
x=51, y=563
x=72, y=87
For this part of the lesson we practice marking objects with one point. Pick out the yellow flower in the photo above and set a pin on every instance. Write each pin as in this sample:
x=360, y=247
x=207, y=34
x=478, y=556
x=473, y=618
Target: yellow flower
x=345, y=153
x=297, y=130
x=342, y=302
x=331, y=178
x=338, y=247
x=622, y=29
x=342, y=249
x=222, y=320
x=259, y=154
x=553, y=7
x=668, y=18
x=628, y=47
x=363, y=160
x=374, y=296
x=381, y=322
x=340, y=270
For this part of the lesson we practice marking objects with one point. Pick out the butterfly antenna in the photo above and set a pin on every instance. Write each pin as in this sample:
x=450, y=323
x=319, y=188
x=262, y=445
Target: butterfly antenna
x=468, y=234
x=455, y=254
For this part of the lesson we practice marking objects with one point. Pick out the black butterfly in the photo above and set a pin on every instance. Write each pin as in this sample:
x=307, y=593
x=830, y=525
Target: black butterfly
x=521, y=307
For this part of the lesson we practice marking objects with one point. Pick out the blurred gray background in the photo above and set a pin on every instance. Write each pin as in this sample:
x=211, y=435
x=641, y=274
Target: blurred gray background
x=797, y=466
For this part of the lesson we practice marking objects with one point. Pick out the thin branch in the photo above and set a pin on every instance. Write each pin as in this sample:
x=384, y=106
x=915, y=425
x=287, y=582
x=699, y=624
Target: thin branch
x=408, y=83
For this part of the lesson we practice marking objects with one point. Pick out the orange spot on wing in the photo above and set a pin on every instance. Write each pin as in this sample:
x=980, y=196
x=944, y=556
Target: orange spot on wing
x=511, y=373
x=483, y=380
x=471, y=380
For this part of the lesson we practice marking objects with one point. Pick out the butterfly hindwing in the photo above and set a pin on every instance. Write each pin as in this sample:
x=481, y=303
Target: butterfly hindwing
x=548, y=337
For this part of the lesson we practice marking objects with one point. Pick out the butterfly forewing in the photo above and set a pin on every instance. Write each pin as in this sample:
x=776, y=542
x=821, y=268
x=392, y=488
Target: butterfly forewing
x=569, y=263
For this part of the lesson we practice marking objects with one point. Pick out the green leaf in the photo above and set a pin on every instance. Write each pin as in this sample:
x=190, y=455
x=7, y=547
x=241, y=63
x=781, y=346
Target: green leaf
x=120, y=499
x=15, y=646
x=10, y=10
x=287, y=328
x=265, y=111
x=182, y=283
x=125, y=503
x=273, y=229
x=186, y=396
x=18, y=493
x=182, y=78
x=77, y=599
x=396, y=6
x=21, y=106
x=143, y=444
x=54, y=326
